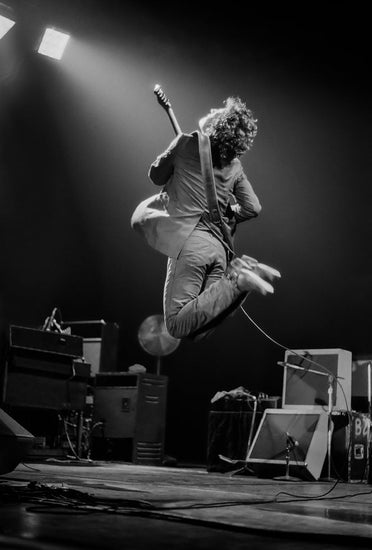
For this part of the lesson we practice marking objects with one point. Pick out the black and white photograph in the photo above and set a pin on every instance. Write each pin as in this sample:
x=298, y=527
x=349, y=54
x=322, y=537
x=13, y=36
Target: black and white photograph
x=185, y=275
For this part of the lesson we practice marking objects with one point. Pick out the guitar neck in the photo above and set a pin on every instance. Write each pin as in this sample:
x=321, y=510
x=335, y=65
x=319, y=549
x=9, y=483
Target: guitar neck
x=174, y=122
x=165, y=103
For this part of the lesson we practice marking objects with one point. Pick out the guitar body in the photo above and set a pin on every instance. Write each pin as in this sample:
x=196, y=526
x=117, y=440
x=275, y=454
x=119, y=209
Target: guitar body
x=149, y=215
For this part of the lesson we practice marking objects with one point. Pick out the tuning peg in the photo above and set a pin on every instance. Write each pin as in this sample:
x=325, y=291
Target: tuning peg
x=162, y=98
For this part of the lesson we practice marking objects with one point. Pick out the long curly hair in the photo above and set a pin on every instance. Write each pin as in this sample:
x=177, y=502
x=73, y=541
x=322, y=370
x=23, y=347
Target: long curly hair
x=232, y=132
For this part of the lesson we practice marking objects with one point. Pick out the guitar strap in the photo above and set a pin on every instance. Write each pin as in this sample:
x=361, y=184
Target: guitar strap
x=210, y=186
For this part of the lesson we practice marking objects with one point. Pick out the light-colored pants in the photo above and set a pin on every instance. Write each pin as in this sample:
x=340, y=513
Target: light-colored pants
x=197, y=294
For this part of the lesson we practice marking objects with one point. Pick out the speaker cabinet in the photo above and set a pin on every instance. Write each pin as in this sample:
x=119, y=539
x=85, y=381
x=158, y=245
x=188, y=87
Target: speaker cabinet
x=129, y=413
x=359, y=383
x=41, y=380
x=350, y=446
x=308, y=429
x=307, y=387
x=100, y=343
x=15, y=443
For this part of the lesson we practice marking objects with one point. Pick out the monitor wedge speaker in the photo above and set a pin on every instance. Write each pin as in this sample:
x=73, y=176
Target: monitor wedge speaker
x=307, y=432
x=15, y=443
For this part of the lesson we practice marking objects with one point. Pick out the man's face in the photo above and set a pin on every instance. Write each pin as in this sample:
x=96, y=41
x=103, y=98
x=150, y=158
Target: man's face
x=206, y=121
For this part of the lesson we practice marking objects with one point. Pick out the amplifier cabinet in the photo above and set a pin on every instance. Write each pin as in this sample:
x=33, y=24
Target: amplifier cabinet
x=306, y=385
x=350, y=446
x=44, y=370
x=38, y=380
x=100, y=343
x=46, y=341
x=359, y=382
x=130, y=408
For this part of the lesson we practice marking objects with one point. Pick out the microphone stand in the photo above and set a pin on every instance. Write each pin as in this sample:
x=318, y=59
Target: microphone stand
x=253, y=421
x=330, y=428
x=290, y=446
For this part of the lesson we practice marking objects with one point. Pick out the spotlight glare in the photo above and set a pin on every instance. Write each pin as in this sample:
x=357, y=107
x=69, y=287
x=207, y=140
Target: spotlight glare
x=5, y=25
x=53, y=43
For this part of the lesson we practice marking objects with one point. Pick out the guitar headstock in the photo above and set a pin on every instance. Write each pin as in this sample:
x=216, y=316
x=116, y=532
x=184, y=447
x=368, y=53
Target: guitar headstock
x=161, y=97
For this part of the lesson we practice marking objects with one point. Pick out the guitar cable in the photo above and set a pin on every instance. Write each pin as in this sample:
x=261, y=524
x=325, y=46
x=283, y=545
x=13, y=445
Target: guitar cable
x=349, y=446
x=264, y=333
x=253, y=322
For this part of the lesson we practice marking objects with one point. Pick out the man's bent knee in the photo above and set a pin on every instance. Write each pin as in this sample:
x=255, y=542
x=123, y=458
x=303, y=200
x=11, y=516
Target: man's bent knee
x=175, y=328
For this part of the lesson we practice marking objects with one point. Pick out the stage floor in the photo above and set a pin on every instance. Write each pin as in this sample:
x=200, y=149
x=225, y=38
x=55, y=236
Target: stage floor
x=65, y=505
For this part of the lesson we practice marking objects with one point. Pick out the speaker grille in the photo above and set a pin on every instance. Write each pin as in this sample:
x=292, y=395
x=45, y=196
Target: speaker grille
x=148, y=452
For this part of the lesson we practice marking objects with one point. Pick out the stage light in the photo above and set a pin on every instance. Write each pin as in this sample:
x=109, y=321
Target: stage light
x=53, y=43
x=5, y=25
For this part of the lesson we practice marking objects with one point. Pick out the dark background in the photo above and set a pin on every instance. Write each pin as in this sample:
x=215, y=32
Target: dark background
x=78, y=136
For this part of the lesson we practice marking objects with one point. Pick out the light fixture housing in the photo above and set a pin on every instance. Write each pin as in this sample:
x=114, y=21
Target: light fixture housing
x=53, y=43
x=6, y=19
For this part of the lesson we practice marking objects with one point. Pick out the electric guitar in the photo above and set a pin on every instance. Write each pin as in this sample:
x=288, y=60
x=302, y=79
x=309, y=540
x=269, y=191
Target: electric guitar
x=228, y=227
x=152, y=212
